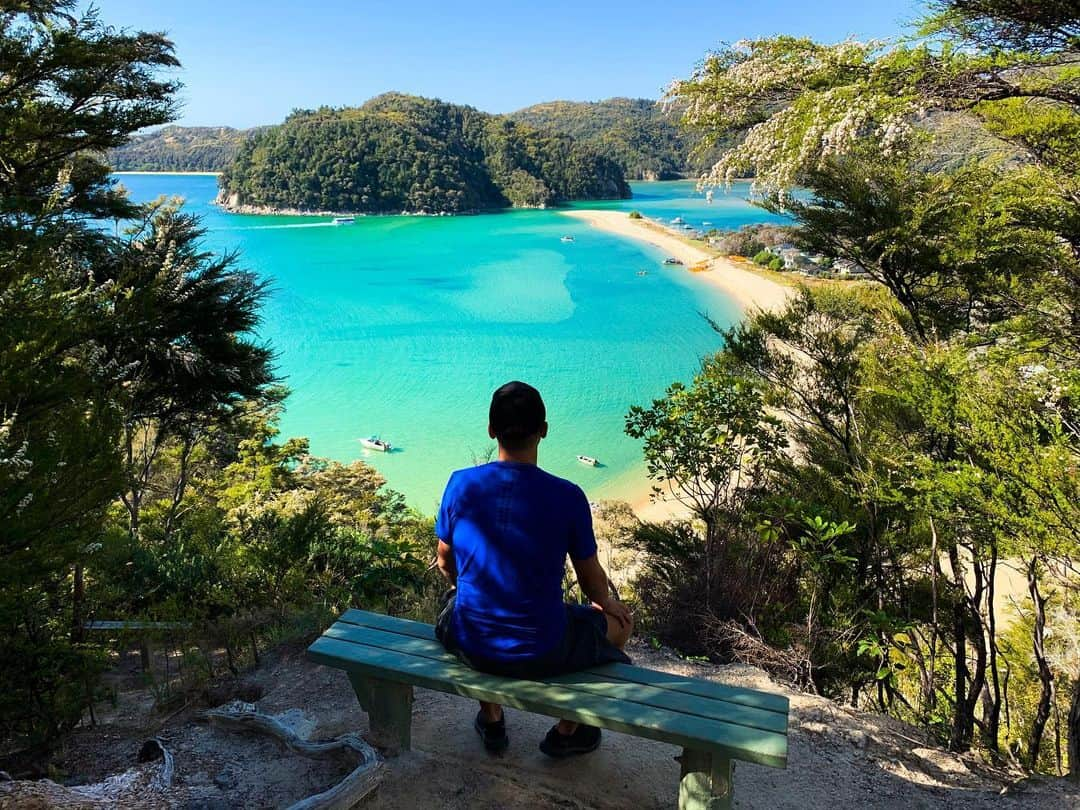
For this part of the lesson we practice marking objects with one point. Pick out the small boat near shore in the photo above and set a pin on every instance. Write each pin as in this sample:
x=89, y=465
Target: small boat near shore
x=375, y=443
x=588, y=461
x=671, y=260
x=567, y=238
x=344, y=220
x=643, y=272
x=678, y=221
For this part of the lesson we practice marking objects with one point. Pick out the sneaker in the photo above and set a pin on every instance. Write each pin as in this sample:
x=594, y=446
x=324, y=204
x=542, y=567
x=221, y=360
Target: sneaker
x=560, y=746
x=493, y=734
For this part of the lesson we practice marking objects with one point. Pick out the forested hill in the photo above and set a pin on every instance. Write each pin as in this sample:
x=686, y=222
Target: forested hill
x=405, y=153
x=180, y=149
x=642, y=135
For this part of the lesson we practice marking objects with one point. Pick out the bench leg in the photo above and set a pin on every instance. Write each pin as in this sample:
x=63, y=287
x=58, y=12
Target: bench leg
x=389, y=710
x=706, y=782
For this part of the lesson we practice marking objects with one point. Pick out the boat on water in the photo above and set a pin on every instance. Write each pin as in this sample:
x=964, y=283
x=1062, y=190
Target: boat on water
x=375, y=443
x=678, y=221
x=567, y=239
x=588, y=461
x=344, y=220
x=706, y=223
x=643, y=272
x=671, y=260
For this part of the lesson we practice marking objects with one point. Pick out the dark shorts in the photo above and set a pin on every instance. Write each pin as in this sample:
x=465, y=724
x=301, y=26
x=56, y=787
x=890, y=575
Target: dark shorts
x=583, y=645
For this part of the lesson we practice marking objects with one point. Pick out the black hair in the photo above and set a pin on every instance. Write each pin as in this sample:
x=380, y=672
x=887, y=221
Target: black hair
x=516, y=414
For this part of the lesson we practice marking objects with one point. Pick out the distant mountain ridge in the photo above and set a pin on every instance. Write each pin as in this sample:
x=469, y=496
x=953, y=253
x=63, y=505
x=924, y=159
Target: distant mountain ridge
x=643, y=135
x=400, y=153
x=181, y=149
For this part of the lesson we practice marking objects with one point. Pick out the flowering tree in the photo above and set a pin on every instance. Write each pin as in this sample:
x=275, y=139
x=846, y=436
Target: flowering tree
x=948, y=166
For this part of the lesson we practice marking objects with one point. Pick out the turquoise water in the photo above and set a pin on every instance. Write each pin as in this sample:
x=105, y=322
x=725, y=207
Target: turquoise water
x=402, y=327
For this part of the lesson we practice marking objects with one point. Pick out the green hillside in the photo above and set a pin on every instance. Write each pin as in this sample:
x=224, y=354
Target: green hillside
x=642, y=135
x=405, y=153
x=180, y=149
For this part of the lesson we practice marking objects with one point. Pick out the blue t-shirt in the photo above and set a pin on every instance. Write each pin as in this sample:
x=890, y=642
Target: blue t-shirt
x=511, y=526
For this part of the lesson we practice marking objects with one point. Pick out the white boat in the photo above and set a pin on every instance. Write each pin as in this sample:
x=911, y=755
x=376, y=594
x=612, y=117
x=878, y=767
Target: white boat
x=588, y=460
x=643, y=272
x=567, y=239
x=708, y=196
x=671, y=260
x=344, y=220
x=375, y=443
x=678, y=221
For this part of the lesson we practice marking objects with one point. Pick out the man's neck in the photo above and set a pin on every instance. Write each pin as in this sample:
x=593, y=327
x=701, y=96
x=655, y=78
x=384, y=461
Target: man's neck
x=526, y=456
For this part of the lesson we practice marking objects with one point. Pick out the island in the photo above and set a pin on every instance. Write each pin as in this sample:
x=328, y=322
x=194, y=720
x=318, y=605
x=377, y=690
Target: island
x=406, y=154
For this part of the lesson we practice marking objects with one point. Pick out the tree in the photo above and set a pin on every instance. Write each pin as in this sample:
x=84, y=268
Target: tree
x=708, y=443
x=946, y=432
x=98, y=333
x=711, y=446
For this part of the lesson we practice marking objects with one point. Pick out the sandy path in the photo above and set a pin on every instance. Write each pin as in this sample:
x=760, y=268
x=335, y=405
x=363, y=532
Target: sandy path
x=745, y=287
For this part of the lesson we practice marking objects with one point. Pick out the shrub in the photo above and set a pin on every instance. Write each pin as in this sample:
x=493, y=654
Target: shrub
x=681, y=602
x=635, y=215
x=776, y=264
x=763, y=258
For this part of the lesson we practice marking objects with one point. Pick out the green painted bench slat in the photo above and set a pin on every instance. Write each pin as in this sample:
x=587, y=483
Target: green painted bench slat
x=692, y=732
x=677, y=683
x=588, y=682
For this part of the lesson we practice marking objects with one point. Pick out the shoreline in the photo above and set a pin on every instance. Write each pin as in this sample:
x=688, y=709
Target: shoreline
x=187, y=174
x=749, y=290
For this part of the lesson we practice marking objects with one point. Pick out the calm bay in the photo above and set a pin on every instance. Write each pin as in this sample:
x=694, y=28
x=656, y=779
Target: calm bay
x=402, y=326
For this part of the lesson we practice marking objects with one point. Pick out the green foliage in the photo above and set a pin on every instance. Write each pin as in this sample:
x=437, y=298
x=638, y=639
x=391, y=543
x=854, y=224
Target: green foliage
x=763, y=258
x=952, y=247
x=635, y=215
x=404, y=153
x=776, y=263
x=709, y=440
x=262, y=525
x=72, y=88
x=140, y=476
x=934, y=418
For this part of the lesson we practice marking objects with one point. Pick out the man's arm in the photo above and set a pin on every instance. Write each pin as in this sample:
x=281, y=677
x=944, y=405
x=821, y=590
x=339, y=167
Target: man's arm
x=594, y=584
x=446, y=563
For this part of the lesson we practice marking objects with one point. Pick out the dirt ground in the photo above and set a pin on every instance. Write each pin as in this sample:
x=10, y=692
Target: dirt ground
x=838, y=758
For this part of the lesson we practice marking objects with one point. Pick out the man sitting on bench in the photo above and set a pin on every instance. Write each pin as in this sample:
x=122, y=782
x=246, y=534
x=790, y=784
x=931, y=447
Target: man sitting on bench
x=505, y=529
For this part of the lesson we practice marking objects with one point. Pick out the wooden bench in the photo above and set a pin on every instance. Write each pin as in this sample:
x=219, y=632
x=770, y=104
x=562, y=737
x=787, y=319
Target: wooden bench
x=385, y=657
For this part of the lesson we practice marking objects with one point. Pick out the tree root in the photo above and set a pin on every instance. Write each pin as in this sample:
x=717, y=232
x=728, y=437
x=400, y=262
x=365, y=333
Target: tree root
x=150, y=783
x=361, y=781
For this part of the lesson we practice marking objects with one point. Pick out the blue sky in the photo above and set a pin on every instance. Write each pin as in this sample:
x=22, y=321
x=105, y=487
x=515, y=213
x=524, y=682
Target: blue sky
x=248, y=63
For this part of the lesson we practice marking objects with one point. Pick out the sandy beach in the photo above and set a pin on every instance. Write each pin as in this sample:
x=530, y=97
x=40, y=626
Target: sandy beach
x=748, y=289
